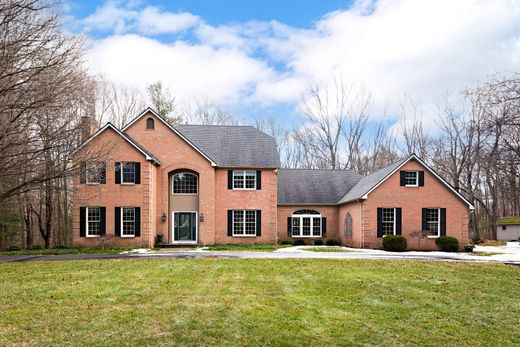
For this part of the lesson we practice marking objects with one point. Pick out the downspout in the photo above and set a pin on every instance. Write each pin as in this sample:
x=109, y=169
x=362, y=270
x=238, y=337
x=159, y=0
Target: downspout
x=361, y=211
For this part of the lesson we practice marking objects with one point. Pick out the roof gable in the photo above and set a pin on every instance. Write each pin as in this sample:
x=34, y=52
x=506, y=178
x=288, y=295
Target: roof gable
x=127, y=138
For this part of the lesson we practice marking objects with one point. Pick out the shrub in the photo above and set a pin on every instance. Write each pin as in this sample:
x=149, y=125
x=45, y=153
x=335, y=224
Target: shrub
x=287, y=242
x=13, y=248
x=36, y=247
x=447, y=244
x=299, y=242
x=469, y=248
x=318, y=242
x=519, y=240
x=158, y=239
x=394, y=243
x=332, y=242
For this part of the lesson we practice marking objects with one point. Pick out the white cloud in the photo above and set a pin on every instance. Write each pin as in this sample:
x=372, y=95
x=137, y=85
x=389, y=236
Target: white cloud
x=390, y=47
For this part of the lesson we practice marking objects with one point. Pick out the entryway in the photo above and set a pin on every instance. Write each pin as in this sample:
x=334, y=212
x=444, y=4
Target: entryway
x=185, y=227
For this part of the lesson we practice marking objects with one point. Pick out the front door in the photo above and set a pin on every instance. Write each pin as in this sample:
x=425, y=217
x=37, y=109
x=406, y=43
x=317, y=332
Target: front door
x=185, y=227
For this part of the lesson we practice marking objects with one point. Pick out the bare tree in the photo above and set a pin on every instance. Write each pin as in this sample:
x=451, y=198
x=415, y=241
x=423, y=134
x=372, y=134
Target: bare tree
x=205, y=112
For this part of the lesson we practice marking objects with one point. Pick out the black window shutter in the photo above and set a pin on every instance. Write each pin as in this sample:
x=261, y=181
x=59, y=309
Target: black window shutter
x=289, y=226
x=421, y=178
x=443, y=222
x=103, y=173
x=229, y=179
x=117, y=221
x=137, y=168
x=402, y=180
x=137, y=221
x=424, y=219
x=398, y=221
x=82, y=172
x=82, y=221
x=323, y=226
x=379, y=222
x=103, y=219
x=118, y=172
x=258, y=223
x=230, y=223
x=258, y=179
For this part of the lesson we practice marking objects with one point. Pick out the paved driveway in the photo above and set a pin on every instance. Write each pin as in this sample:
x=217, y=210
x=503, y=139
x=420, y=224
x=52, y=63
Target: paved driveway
x=510, y=255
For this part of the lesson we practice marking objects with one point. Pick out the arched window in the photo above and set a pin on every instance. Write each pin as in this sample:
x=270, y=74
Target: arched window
x=185, y=183
x=150, y=124
x=306, y=223
x=348, y=225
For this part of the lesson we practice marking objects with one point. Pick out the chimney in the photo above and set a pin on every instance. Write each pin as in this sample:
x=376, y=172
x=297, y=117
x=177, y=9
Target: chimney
x=86, y=127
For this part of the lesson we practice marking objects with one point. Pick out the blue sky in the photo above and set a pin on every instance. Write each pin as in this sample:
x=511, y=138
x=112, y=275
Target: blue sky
x=260, y=58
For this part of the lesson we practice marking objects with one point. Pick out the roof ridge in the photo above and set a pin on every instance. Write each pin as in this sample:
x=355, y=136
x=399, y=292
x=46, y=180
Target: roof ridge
x=217, y=125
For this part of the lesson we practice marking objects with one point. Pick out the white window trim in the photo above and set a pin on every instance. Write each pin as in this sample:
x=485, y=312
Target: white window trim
x=244, y=180
x=196, y=228
x=86, y=221
x=438, y=222
x=244, y=224
x=395, y=219
x=121, y=173
x=197, y=193
x=312, y=216
x=87, y=175
x=121, y=223
x=416, y=178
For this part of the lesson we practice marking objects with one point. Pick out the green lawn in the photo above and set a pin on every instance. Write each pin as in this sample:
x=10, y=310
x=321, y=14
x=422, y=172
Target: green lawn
x=57, y=251
x=258, y=302
x=326, y=249
x=247, y=248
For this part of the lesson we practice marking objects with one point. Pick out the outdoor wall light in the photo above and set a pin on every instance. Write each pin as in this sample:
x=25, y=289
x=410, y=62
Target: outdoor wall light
x=163, y=218
x=201, y=217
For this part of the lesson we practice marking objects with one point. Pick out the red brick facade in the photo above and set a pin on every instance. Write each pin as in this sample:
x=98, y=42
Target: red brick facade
x=215, y=198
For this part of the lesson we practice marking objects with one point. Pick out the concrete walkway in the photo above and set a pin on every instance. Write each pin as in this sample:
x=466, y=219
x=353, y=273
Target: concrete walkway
x=509, y=254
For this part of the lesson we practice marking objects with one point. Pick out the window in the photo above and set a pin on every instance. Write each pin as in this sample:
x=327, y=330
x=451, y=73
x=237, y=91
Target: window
x=411, y=178
x=388, y=221
x=244, y=223
x=127, y=221
x=244, y=179
x=93, y=221
x=306, y=223
x=433, y=222
x=348, y=225
x=95, y=172
x=150, y=124
x=127, y=172
x=504, y=227
x=185, y=183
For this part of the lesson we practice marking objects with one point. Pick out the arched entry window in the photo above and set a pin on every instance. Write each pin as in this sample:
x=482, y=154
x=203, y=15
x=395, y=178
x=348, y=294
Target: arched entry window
x=306, y=223
x=150, y=124
x=185, y=183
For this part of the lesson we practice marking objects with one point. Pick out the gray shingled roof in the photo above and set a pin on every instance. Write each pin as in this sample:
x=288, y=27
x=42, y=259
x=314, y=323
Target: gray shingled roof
x=233, y=146
x=308, y=186
x=368, y=182
x=142, y=148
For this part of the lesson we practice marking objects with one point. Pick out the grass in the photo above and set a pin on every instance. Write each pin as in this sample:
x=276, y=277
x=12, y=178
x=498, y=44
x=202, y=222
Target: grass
x=493, y=243
x=58, y=251
x=486, y=254
x=326, y=249
x=258, y=302
x=247, y=248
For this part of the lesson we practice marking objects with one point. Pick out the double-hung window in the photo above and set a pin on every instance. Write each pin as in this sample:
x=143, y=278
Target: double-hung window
x=411, y=178
x=128, y=172
x=95, y=172
x=433, y=222
x=244, y=222
x=306, y=223
x=388, y=221
x=93, y=221
x=244, y=179
x=127, y=221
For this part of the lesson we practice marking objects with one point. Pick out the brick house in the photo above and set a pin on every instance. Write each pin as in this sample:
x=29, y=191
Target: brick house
x=202, y=184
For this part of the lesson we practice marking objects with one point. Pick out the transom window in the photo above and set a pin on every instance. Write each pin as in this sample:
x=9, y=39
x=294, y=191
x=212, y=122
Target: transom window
x=93, y=221
x=128, y=172
x=433, y=222
x=127, y=221
x=411, y=178
x=185, y=183
x=244, y=179
x=244, y=223
x=150, y=124
x=306, y=223
x=95, y=172
x=388, y=221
